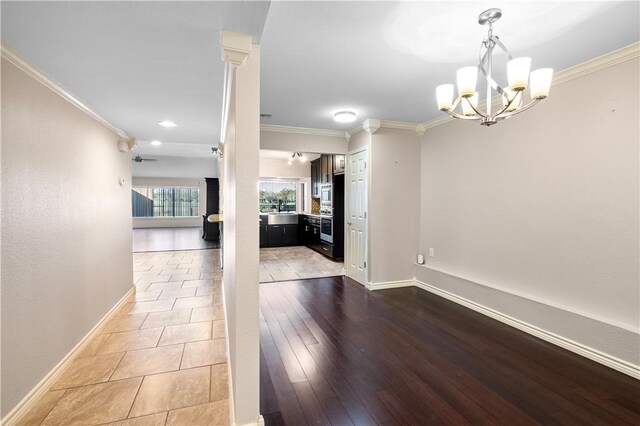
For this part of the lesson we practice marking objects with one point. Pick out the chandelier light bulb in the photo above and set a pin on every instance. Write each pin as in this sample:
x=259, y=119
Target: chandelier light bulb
x=444, y=94
x=540, y=81
x=467, y=79
x=518, y=73
x=466, y=107
x=508, y=96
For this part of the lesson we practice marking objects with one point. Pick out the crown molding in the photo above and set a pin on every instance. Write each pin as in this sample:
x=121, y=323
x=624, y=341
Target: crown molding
x=400, y=125
x=371, y=125
x=612, y=58
x=302, y=131
x=596, y=64
x=235, y=47
x=60, y=90
x=387, y=124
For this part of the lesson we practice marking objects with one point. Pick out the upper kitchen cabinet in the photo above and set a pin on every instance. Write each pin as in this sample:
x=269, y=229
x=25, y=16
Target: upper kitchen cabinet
x=338, y=164
x=315, y=178
x=326, y=167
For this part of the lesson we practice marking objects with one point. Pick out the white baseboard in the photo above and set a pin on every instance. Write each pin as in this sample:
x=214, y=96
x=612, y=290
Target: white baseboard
x=568, y=344
x=390, y=284
x=16, y=414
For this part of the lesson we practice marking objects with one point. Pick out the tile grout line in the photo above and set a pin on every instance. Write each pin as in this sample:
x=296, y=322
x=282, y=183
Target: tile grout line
x=134, y=399
x=118, y=365
x=54, y=405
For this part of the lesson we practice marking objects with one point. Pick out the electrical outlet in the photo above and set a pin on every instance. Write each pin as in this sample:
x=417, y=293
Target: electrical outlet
x=432, y=252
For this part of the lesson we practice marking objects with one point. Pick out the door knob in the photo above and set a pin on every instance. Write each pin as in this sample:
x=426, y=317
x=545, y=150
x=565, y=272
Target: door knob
x=348, y=223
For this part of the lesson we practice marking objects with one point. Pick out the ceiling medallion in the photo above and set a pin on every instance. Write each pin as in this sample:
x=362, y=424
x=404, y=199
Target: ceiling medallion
x=538, y=81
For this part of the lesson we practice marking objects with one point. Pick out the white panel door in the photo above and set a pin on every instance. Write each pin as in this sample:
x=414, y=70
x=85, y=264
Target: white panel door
x=356, y=214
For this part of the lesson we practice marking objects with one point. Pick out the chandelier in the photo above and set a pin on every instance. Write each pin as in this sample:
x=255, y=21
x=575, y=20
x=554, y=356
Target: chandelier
x=539, y=82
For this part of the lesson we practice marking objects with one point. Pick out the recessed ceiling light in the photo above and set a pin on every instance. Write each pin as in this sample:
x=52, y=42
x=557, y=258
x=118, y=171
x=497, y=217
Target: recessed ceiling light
x=156, y=143
x=167, y=123
x=345, y=116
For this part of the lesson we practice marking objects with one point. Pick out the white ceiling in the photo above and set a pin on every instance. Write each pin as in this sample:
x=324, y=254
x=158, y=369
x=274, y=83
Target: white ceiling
x=384, y=59
x=136, y=63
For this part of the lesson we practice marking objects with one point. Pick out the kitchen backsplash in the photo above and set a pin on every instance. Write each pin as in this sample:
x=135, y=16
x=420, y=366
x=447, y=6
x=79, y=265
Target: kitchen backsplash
x=315, y=205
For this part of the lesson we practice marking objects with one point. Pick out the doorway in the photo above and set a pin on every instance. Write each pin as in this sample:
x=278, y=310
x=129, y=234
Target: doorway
x=356, y=213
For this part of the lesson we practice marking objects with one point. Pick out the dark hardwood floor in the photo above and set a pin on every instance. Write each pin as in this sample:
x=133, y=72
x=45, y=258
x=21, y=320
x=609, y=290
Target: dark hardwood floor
x=333, y=353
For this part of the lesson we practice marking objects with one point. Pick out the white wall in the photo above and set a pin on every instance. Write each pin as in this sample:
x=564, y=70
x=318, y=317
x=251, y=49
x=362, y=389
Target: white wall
x=394, y=205
x=276, y=168
x=537, y=217
x=66, y=229
x=178, y=222
x=294, y=142
x=359, y=140
x=176, y=167
x=241, y=239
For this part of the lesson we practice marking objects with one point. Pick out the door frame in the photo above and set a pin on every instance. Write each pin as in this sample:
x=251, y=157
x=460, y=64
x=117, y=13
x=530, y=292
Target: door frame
x=347, y=211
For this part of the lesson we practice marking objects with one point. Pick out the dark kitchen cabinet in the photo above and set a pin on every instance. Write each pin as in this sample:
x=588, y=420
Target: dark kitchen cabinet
x=339, y=164
x=279, y=235
x=310, y=232
x=326, y=168
x=275, y=235
x=290, y=235
x=315, y=178
x=264, y=239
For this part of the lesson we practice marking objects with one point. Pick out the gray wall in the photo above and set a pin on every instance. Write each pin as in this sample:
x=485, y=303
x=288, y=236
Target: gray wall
x=537, y=217
x=294, y=142
x=66, y=229
x=394, y=205
x=175, y=167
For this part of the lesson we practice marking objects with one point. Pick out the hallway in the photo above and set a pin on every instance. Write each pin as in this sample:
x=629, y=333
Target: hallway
x=160, y=359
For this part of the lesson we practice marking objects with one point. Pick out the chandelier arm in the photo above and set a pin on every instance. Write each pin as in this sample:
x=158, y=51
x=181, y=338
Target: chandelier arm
x=522, y=109
x=462, y=117
x=496, y=115
x=476, y=110
x=500, y=44
x=456, y=102
x=483, y=58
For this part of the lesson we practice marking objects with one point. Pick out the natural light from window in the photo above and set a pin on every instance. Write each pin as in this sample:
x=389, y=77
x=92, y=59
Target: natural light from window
x=277, y=196
x=165, y=202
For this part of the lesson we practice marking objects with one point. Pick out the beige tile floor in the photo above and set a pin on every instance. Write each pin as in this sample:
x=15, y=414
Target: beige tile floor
x=160, y=360
x=294, y=263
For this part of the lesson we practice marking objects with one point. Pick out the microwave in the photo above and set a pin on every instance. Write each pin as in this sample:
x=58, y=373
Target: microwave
x=326, y=191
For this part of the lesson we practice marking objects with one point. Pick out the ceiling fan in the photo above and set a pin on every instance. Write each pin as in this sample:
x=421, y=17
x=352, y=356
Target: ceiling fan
x=139, y=159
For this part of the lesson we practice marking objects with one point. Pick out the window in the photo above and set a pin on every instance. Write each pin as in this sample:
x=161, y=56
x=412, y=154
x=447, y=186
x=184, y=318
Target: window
x=277, y=196
x=165, y=202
